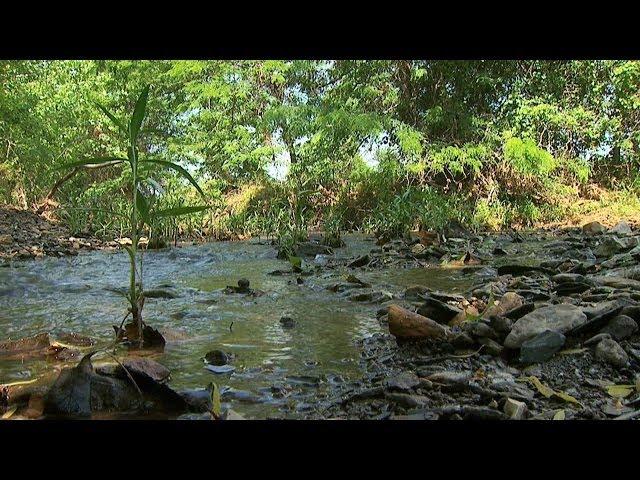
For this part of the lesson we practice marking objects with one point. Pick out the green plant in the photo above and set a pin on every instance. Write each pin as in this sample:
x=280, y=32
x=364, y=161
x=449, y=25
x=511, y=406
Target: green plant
x=140, y=207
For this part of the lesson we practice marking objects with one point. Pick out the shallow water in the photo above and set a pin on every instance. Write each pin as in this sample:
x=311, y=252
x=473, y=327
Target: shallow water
x=279, y=371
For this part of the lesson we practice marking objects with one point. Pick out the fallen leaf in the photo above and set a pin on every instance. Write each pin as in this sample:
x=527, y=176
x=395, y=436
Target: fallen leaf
x=559, y=415
x=620, y=391
x=9, y=412
x=567, y=398
x=542, y=388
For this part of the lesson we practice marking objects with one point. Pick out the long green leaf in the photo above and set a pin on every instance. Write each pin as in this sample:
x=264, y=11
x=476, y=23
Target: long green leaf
x=112, y=117
x=92, y=161
x=178, y=169
x=138, y=114
x=143, y=207
x=174, y=212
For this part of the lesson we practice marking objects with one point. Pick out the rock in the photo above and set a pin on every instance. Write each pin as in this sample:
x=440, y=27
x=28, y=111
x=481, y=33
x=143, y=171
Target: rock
x=596, y=339
x=407, y=400
x=38, y=342
x=514, y=409
x=287, y=322
x=613, y=245
x=559, y=318
x=621, y=327
x=142, y=366
x=6, y=239
x=360, y=261
x=632, y=311
x=593, y=228
x=462, y=340
x=310, y=249
x=491, y=347
x=568, y=278
x=508, y=302
x=404, y=323
x=541, y=347
x=517, y=270
x=197, y=400
x=243, y=284
x=220, y=369
x=437, y=310
x=521, y=311
x=609, y=351
x=402, y=382
x=217, y=357
x=159, y=293
x=232, y=415
x=479, y=329
x=76, y=339
x=501, y=325
x=621, y=228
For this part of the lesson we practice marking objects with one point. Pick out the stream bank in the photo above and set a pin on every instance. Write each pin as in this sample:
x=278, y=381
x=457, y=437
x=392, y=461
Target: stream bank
x=316, y=344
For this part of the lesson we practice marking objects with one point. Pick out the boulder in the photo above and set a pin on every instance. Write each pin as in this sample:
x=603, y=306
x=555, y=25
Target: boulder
x=558, y=318
x=621, y=228
x=508, y=302
x=609, y=351
x=437, y=310
x=593, y=228
x=620, y=327
x=541, y=347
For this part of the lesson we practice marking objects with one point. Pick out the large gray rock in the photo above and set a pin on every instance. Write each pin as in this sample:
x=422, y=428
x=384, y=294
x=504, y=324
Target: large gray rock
x=541, y=347
x=621, y=327
x=557, y=318
x=611, y=352
x=621, y=228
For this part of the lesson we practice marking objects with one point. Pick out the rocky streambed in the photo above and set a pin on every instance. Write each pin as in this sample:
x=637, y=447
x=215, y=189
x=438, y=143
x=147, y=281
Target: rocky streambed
x=537, y=325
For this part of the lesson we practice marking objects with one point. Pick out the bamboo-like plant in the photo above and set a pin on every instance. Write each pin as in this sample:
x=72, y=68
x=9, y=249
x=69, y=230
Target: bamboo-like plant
x=140, y=211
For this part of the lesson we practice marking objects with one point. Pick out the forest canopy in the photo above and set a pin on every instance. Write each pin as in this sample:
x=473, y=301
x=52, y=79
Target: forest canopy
x=280, y=147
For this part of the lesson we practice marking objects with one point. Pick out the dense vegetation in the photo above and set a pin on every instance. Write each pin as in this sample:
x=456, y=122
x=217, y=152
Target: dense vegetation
x=283, y=146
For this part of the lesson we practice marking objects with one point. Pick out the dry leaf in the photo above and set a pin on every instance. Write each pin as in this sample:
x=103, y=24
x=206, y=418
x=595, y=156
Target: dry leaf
x=620, y=391
x=9, y=412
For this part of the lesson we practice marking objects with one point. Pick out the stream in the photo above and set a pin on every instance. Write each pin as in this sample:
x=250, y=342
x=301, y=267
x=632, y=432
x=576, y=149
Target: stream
x=279, y=372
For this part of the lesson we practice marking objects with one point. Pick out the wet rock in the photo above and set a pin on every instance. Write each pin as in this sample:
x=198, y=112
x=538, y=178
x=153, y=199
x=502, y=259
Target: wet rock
x=609, y=351
x=541, y=347
x=151, y=338
x=197, y=400
x=38, y=342
x=243, y=284
x=402, y=382
x=196, y=416
x=232, y=415
x=76, y=339
x=287, y=322
x=437, y=310
x=621, y=228
x=145, y=367
x=462, y=340
x=521, y=270
x=220, y=369
x=593, y=228
x=514, y=409
x=217, y=357
x=360, y=261
x=159, y=293
x=559, y=318
x=621, y=327
x=310, y=249
x=632, y=311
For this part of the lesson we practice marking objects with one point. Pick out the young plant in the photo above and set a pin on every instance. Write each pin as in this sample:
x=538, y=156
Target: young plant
x=140, y=212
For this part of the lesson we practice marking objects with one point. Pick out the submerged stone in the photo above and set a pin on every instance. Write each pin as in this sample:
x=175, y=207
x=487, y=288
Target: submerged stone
x=541, y=347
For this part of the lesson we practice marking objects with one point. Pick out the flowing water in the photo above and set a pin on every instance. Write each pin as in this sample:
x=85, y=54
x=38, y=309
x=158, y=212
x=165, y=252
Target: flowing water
x=279, y=371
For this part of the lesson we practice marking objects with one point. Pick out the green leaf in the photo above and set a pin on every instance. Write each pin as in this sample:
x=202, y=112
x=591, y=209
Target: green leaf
x=143, y=207
x=296, y=262
x=559, y=415
x=138, y=114
x=178, y=169
x=112, y=117
x=174, y=212
x=216, y=408
x=92, y=161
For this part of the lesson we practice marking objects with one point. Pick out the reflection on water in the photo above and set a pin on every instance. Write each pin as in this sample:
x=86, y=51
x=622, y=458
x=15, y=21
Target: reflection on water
x=74, y=294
